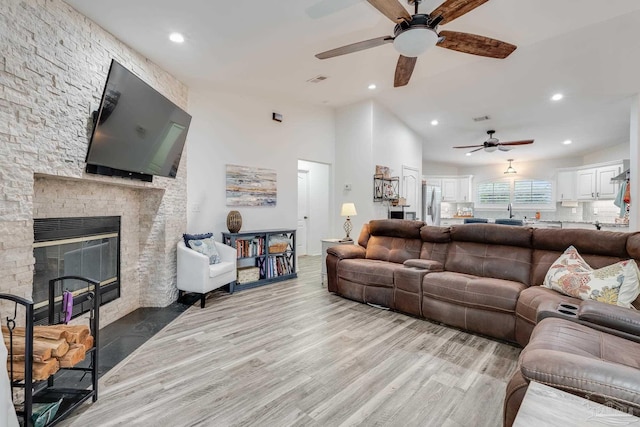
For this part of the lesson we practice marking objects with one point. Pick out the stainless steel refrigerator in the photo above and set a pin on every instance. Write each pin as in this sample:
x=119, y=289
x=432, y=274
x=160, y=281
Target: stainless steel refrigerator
x=431, y=197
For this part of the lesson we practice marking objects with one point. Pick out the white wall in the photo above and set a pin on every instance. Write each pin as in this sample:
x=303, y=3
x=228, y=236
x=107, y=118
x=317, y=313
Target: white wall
x=433, y=168
x=367, y=134
x=353, y=165
x=542, y=169
x=394, y=145
x=319, y=222
x=237, y=129
x=617, y=152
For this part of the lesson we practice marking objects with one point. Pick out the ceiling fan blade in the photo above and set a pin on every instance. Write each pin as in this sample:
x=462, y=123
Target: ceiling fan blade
x=523, y=142
x=469, y=146
x=404, y=69
x=355, y=47
x=477, y=149
x=392, y=9
x=452, y=9
x=475, y=44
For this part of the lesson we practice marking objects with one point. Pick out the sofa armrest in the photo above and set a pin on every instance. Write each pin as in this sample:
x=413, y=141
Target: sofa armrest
x=227, y=253
x=192, y=268
x=346, y=251
x=424, y=264
x=610, y=316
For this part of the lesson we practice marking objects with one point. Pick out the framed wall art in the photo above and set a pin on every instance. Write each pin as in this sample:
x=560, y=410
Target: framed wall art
x=249, y=186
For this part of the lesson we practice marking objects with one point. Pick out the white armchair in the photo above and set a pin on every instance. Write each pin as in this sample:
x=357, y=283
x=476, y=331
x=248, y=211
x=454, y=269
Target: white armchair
x=196, y=275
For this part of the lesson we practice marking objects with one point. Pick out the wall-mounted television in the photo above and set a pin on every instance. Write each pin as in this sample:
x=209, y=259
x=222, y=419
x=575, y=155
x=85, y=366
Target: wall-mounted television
x=138, y=132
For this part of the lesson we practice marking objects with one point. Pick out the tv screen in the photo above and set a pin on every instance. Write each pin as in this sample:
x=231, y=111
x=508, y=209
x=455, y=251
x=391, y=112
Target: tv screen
x=137, y=132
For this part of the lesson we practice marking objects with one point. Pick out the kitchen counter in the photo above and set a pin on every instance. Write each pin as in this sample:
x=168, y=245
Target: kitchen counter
x=577, y=224
x=550, y=223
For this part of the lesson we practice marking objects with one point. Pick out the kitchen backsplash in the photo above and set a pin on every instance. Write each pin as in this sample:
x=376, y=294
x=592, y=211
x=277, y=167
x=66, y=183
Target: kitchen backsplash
x=601, y=210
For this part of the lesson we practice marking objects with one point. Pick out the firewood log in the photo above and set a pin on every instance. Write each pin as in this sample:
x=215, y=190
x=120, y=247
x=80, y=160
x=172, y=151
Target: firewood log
x=88, y=342
x=41, y=370
x=40, y=350
x=75, y=333
x=75, y=355
x=50, y=332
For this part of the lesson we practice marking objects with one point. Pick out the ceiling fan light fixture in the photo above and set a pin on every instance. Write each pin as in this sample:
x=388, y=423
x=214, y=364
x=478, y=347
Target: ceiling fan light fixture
x=510, y=169
x=415, y=41
x=490, y=148
x=503, y=148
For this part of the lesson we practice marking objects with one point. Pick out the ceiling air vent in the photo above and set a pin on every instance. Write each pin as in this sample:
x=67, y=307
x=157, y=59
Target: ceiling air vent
x=481, y=118
x=317, y=79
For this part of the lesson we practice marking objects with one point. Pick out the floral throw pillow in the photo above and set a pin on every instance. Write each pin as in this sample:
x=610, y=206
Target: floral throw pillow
x=206, y=247
x=614, y=284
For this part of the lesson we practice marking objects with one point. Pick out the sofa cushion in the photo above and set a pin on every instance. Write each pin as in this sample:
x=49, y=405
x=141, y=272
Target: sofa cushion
x=492, y=234
x=393, y=249
x=472, y=291
x=611, y=244
x=489, y=260
x=614, y=284
x=368, y=272
x=406, y=229
x=220, y=268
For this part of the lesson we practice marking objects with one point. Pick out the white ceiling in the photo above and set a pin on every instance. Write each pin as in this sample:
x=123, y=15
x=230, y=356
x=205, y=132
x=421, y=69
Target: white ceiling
x=587, y=49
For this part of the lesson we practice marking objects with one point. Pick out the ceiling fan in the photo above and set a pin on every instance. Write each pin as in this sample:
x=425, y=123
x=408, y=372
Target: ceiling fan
x=413, y=35
x=492, y=144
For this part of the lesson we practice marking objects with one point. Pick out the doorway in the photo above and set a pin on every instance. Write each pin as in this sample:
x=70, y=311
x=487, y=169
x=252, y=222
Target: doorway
x=313, y=207
x=411, y=188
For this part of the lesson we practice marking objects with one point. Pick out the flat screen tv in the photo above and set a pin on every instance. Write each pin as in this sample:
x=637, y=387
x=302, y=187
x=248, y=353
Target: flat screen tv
x=138, y=132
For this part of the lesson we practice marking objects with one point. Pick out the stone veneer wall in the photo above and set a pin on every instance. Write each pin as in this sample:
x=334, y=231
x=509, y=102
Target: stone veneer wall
x=53, y=66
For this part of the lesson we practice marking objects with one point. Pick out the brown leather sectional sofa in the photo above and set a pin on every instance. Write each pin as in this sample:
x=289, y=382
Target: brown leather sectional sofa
x=486, y=278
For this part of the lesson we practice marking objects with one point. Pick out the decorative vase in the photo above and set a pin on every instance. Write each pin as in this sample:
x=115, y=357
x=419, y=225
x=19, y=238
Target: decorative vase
x=234, y=221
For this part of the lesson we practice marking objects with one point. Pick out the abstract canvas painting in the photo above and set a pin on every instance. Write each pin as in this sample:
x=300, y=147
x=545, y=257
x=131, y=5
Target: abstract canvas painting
x=248, y=186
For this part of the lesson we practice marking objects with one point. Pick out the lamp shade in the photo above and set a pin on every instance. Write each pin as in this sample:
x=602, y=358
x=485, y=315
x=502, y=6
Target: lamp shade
x=415, y=41
x=348, y=209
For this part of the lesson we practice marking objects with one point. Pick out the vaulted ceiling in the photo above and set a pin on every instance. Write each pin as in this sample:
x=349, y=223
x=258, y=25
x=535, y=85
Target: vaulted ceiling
x=589, y=50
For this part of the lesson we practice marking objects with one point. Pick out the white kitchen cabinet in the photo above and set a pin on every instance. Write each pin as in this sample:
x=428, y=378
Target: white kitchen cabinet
x=454, y=189
x=566, y=185
x=605, y=188
x=464, y=189
x=449, y=189
x=595, y=183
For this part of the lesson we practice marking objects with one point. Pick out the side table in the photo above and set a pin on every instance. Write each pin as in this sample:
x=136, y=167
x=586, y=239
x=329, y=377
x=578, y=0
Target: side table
x=326, y=244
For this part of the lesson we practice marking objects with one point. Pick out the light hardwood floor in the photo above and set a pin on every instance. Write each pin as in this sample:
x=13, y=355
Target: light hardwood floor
x=291, y=353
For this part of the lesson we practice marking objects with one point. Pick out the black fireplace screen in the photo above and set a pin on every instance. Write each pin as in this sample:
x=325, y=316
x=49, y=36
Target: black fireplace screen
x=87, y=247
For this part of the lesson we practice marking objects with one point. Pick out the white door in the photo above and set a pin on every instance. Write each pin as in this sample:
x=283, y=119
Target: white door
x=303, y=212
x=411, y=187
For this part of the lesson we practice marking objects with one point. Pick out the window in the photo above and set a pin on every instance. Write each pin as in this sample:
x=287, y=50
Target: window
x=494, y=192
x=527, y=192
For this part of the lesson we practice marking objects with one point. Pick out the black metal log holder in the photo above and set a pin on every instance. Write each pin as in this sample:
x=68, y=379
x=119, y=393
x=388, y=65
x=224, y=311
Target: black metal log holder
x=45, y=390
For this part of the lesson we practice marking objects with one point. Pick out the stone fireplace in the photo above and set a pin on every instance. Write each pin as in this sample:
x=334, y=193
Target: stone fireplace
x=147, y=259
x=55, y=66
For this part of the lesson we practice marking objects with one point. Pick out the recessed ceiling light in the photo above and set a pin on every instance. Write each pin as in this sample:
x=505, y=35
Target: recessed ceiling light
x=467, y=154
x=176, y=37
x=434, y=123
x=557, y=97
x=567, y=142
x=372, y=86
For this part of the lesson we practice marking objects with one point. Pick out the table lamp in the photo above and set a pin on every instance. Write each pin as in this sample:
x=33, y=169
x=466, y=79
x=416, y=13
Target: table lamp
x=348, y=209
